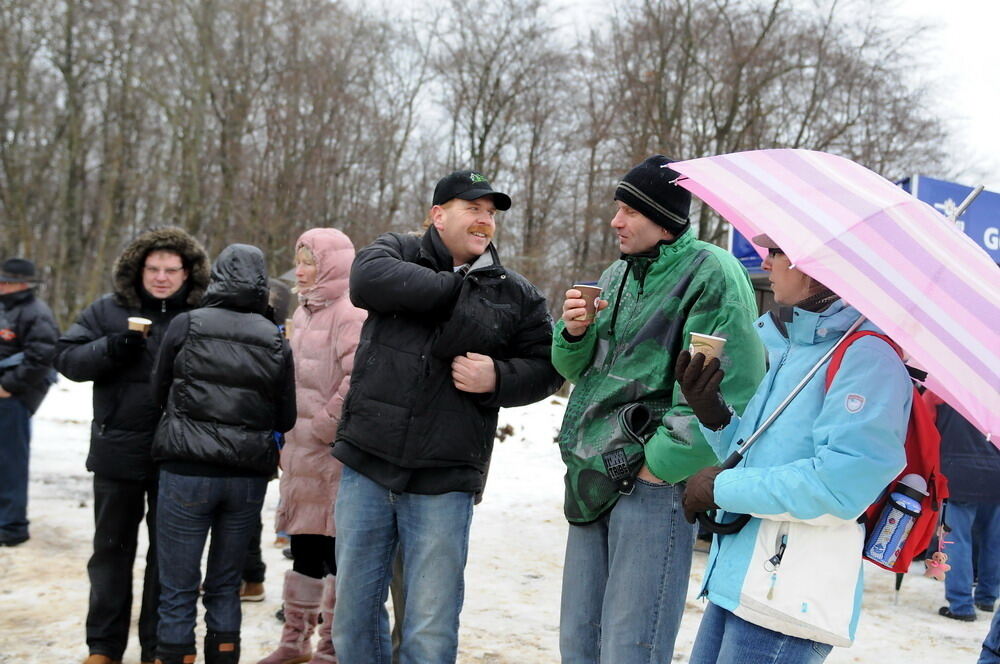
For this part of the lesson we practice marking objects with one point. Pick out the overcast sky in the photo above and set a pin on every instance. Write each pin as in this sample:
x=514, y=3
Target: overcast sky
x=963, y=49
x=966, y=47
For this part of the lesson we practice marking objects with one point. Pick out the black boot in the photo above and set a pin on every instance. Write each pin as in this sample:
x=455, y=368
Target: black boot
x=175, y=653
x=222, y=648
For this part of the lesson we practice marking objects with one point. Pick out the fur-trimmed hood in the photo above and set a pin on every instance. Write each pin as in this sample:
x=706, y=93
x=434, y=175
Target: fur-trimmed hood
x=128, y=267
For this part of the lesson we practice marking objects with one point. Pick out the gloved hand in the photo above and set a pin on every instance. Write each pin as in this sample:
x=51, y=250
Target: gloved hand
x=126, y=346
x=699, y=495
x=700, y=384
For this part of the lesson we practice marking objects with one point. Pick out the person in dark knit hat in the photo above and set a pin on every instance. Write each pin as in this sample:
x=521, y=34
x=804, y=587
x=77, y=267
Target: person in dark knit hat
x=28, y=335
x=629, y=439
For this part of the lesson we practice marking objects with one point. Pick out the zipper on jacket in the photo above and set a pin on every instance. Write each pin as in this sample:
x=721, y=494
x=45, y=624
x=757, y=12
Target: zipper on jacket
x=774, y=562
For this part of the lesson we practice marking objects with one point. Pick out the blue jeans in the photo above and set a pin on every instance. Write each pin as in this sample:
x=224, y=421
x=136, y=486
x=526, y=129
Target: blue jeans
x=189, y=506
x=625, y=580
x=15, y=436
x=724, y=638
x=964, y=519
x=433, y=534
x=991, y=644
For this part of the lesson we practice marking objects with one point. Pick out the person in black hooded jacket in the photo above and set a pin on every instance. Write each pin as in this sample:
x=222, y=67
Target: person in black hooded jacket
x=225, y=378
x=28, y=335
x=159, y=275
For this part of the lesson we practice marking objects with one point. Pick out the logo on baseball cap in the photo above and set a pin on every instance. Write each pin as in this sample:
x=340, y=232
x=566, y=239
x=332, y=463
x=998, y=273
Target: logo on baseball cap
x=467, y=185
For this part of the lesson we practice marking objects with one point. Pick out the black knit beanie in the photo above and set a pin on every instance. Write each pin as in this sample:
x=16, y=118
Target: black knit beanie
x=649, y=189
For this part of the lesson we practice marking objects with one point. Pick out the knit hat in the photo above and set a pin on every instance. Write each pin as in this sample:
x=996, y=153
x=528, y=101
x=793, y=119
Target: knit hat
x=18, y=270
x=649, y=189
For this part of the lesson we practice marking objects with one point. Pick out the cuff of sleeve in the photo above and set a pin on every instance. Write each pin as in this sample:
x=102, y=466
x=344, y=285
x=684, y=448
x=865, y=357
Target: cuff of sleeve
x=725, y=492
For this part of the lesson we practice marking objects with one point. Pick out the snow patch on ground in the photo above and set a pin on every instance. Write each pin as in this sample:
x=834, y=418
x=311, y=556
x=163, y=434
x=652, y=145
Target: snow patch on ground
x=513, y=577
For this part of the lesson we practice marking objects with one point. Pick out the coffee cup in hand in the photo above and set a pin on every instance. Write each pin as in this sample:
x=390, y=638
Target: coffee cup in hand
x=140, y=324
x=590, y=294
x=707, y=345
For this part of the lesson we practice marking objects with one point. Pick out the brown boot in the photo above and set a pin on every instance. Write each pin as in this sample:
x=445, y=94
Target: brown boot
x=302, y=597
x=251, y=591
x=325, y=654
x=101, y=659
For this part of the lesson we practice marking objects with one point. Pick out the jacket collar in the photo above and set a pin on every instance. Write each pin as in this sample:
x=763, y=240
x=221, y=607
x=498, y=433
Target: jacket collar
x=811, y=327
x=665, y=251
x=11, y=299
x=435, y=254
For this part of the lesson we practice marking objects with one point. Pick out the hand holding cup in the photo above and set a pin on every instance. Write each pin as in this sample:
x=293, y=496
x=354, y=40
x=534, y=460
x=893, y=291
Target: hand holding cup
x=581, y=306
x=139, y=324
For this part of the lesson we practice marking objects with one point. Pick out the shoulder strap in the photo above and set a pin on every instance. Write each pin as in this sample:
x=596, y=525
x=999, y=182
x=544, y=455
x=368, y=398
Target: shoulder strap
x=838, y=356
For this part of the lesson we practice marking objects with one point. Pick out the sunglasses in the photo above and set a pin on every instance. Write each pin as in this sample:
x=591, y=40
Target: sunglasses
x=774, y=251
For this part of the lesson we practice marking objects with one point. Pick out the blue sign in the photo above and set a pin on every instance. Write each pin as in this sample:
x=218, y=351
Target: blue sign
x=980, y=221
x=744, y=250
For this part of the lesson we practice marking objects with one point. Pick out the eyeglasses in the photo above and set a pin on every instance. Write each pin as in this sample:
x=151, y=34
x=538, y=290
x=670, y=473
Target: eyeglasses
x=169, y=271
x=774, y=251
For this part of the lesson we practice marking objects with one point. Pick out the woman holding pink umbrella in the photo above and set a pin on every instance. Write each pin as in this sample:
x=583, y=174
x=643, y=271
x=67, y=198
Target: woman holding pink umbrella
x=786, y=587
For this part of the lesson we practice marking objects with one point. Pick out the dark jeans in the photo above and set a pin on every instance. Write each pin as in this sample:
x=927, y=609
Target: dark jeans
x=15, y=436
x=190, y=507
x=254, y=569
x=313, y=555
x=119, y=507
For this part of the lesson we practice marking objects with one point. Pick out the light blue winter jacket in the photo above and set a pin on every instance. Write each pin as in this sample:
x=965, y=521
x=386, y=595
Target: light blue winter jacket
x=807, y=479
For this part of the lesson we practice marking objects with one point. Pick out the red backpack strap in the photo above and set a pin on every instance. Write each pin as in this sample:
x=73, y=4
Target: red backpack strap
x=838, y=355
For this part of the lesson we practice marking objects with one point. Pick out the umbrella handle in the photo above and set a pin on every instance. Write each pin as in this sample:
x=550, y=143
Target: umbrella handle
x=707, y=519
x=708, y=522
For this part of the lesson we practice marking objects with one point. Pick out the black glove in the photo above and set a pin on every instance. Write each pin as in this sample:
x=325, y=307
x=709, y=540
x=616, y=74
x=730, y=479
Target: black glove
x=699, y=495
x=700, y=384
x=126, y=346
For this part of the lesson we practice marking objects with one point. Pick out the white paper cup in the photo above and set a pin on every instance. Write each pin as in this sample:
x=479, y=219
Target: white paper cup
x=140, y=324
x=707, y=345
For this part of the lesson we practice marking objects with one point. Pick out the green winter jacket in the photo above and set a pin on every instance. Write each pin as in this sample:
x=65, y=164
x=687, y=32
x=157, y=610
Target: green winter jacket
x=627, y=355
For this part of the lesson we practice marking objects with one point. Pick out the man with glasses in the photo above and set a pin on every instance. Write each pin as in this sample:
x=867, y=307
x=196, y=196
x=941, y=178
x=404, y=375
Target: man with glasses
x=162, y=273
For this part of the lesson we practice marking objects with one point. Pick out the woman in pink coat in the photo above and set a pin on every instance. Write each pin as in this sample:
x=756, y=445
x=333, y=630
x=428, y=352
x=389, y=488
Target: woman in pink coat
x=324, y=337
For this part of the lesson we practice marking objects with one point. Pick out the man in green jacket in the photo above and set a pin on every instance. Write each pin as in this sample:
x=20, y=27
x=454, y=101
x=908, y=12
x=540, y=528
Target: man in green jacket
x=629, y=440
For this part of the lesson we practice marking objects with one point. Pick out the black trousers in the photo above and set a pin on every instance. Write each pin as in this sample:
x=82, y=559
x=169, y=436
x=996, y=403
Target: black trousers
x=119, y=507
x=313, y=555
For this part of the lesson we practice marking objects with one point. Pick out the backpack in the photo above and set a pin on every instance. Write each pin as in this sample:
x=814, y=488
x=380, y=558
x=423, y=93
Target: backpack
x=923, y=457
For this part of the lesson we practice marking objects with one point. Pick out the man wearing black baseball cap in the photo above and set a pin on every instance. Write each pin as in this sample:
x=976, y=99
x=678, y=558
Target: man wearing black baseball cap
x=28, y=334
x=451, y=336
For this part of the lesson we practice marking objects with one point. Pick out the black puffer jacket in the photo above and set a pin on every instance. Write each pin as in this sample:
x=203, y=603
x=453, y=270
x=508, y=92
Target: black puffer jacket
x=27, y=326
x=225, y=377
x=403, y=411
x=125, y=416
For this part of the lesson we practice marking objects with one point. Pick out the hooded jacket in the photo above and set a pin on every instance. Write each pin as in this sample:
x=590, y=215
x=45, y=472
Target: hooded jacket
x=27, y=326
x=125, y=415
x=405, y=425
x=224, y=377
x=796, y=567
x=325, y=332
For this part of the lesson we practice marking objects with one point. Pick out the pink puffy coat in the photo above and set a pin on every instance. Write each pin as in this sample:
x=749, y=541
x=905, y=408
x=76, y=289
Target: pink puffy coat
x=325, y=332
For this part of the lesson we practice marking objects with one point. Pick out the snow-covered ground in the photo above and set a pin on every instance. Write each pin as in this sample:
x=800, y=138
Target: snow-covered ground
x=513, y=577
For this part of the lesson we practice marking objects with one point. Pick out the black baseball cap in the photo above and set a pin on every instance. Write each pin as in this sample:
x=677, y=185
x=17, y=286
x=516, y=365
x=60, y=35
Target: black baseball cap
x=467, y=185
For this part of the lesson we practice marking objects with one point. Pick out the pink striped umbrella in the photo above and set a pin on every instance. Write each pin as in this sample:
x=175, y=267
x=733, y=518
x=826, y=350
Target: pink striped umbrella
x=893, y=257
